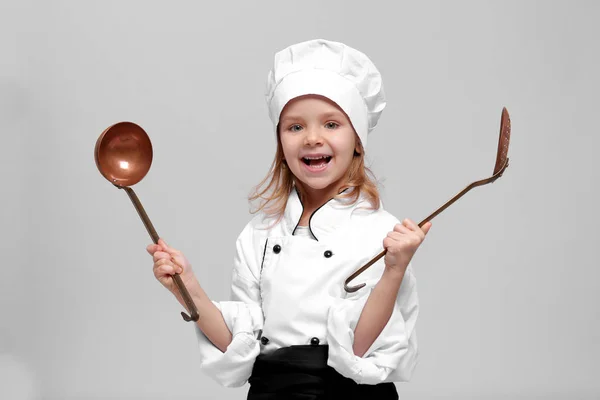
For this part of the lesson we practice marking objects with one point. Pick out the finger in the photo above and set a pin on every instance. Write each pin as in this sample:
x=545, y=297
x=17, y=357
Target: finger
x=398, y=239
x=167, y=248
x=401, y=228
x=178, y=262
x=162, y=262
x=410, y=239
x=396, y=244
x=426, y=227
x=152, y=248
x=172, y=261
x=388, y=242
x=410, y=224
x=414, y=227
x=167, y=261
x=164, y=259
x=164, y=269
x=176, y=266
x=397, y=236
x=159, y=255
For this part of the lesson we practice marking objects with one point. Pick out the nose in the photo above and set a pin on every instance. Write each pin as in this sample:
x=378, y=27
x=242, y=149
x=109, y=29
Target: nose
x=313, y=137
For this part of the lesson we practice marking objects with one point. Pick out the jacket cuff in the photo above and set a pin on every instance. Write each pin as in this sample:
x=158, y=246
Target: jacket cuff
x=391, y=357
x=233, y=367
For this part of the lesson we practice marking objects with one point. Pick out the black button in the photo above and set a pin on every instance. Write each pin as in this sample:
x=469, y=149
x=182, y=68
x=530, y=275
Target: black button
x=264, y=340
x=276, y=249
x=328, y=254
x=314, y=341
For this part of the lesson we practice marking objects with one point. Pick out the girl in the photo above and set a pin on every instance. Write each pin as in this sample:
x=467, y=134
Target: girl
x=290, y=329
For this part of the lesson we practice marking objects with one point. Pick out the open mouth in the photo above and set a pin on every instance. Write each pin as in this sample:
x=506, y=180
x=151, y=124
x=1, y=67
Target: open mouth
x=316, y=161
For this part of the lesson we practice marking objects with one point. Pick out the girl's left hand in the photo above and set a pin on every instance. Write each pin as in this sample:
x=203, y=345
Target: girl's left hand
x=402, y=243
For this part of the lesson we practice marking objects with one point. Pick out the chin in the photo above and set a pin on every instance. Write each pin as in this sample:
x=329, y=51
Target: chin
x=317, y=185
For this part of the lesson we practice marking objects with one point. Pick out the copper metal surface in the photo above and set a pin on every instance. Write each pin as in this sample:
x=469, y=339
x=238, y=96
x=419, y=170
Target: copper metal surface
x=123, y=155
x=500, y=166
x=503, y=141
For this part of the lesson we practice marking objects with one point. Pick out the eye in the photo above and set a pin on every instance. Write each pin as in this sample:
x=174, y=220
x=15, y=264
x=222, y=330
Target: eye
x=295, y=128
x=331, y=125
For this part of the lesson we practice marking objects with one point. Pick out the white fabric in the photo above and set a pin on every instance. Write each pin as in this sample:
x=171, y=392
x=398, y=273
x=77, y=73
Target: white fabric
x=287, y=286
x=303, y=231
x=331, y=69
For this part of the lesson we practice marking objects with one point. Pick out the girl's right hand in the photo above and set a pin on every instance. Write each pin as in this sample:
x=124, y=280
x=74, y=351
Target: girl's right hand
x=164, y=268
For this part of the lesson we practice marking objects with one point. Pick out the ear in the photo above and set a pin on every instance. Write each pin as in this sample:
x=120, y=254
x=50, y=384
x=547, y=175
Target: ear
x=357, y=145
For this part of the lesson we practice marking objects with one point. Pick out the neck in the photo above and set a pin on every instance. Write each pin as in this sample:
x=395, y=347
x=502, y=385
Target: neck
x=313, y=199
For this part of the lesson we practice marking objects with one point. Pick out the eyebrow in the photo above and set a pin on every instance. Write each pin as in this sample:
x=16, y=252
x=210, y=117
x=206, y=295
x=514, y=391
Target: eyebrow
x=333, y=114
x=327, y=115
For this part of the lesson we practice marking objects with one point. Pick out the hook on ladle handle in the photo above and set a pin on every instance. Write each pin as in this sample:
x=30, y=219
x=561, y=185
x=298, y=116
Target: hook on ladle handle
x=150, y=228
x=352, y=289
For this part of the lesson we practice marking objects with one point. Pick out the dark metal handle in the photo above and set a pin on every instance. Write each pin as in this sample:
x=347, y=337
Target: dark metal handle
x=352, y=289
x=150, y=228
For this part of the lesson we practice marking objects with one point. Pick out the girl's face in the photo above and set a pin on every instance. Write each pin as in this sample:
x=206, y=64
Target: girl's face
x=318, y=143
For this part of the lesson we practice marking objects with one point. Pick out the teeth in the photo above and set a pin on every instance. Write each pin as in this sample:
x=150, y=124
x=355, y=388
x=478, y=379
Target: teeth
x=315, y=158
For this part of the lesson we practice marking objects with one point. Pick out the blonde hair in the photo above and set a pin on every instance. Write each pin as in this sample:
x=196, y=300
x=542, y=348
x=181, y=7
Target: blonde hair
x=274, y=189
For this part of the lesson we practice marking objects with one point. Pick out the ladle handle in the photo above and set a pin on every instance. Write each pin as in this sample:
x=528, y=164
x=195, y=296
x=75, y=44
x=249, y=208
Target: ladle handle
x=150, y=228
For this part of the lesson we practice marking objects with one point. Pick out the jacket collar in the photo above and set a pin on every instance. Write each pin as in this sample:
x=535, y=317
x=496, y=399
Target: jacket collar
x=324, y=220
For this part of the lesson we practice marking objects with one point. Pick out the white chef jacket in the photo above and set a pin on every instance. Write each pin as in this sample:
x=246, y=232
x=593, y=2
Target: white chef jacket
x=291, y=288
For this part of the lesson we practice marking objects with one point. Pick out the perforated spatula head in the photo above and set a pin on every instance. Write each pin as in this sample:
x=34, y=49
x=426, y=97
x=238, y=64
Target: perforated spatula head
x=503, y=142
x=501, y=164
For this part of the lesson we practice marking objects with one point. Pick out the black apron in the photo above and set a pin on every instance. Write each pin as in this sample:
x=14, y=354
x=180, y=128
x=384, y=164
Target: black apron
x=302, y=373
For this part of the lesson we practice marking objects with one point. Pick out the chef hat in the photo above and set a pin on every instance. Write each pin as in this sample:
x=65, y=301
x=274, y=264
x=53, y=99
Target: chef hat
x=330, y=69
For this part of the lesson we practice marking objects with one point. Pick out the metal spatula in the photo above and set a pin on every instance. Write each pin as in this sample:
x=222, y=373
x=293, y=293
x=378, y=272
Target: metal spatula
x=501, y=164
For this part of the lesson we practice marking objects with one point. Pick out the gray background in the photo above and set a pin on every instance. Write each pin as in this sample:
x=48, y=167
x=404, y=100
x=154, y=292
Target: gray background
x=508, y=276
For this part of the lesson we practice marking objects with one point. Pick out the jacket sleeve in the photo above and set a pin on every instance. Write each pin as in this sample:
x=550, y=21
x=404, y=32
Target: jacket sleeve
x=244, y=318
x=393, y=355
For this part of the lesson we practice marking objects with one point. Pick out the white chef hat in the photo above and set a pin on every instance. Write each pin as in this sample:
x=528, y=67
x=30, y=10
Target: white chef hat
x=330, y=69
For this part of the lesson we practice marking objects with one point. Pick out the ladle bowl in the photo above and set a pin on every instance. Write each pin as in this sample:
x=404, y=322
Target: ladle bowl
x=123, y=155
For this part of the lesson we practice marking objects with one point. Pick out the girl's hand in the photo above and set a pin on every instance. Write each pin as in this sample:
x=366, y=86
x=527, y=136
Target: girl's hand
x=164, y=268
x=402, y=243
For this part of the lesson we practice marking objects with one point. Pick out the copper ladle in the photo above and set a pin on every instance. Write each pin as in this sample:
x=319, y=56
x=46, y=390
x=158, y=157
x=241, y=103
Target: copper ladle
x=123, y=155
x=501, y=164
